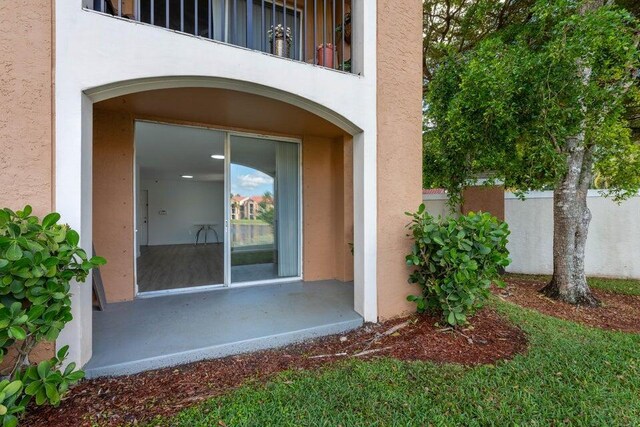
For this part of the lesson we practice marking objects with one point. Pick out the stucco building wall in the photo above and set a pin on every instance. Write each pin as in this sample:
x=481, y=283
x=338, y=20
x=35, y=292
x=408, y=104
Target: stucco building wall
x=26, y=122
x=113, y=227
x=399, y=145
x=26, y=133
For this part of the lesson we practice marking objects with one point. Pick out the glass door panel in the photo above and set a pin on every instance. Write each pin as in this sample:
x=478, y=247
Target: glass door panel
x=264, y=209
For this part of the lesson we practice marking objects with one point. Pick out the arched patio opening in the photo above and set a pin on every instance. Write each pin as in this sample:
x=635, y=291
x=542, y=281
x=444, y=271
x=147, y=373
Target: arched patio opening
x=327, y=162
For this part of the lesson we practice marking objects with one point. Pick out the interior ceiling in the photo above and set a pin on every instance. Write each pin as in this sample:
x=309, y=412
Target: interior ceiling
x=255, y=153
x=167, y=152
x=224, y=108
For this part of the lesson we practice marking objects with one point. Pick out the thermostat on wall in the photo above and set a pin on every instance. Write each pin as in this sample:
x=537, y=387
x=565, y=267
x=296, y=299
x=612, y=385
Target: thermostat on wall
x=162, y=212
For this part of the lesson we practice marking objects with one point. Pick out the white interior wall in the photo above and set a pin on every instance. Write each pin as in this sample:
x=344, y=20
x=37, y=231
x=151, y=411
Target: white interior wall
x=186, y=203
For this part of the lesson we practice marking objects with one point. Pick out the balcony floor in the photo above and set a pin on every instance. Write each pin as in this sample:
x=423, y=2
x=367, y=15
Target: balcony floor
x=164, y=331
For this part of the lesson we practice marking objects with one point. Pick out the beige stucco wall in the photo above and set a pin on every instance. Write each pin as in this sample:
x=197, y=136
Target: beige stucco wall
x=26, y=122
x=399, y=145
x=343, y=207
x=327, y=163
x=113, y=201
x=26, y=105
x=328, y=224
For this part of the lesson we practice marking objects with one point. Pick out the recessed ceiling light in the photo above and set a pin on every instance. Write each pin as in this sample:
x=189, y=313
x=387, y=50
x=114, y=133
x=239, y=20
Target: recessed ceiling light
x=218, y=157
x=187, y=176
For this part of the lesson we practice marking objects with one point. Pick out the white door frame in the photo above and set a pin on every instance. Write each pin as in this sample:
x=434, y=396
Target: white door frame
x=227, y=209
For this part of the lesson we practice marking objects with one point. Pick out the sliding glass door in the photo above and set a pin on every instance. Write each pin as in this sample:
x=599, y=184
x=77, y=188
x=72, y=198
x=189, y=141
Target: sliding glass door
x=264, y=228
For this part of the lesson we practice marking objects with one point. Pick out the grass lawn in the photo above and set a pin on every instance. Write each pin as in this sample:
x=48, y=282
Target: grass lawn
x=570, y=375
x=248, y=222
x=618, y=286
x=252, y=257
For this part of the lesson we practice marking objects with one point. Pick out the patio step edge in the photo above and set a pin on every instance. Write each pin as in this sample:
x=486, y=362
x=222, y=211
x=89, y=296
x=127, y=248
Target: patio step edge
x=221, y=350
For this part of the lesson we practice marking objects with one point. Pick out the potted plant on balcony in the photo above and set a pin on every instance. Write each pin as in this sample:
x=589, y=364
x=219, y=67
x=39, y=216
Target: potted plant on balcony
x=346, y=26
x=280, y=39
x=326, y=53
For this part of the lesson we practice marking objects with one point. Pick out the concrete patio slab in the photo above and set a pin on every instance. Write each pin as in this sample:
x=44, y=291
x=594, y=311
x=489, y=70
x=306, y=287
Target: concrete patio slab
x=164, y=331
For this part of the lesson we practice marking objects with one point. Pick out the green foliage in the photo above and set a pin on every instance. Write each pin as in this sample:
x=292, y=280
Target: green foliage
x=38, y=260
x=11, y=404
x=47, y=382
x=456, y=260
x=508, y=106
x=459, y=25
x=266, y=211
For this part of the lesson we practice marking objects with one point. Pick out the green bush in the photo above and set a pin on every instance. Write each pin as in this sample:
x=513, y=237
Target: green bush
x=456, y=260
x=38, y=260
x=10, y=392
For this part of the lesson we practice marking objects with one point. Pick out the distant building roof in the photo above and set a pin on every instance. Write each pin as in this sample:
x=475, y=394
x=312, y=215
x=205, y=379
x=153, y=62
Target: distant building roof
x=434, y=191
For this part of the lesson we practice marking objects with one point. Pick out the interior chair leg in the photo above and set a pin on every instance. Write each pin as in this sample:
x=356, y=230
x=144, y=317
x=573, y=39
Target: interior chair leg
x=198, y=236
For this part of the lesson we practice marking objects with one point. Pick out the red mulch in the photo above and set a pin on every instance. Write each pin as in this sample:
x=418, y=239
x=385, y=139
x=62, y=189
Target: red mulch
x=136, y=398
x=618, y=312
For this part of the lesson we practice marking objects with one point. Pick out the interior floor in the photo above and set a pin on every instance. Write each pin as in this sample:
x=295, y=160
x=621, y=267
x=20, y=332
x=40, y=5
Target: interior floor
x=180, y=266
x=166, y=267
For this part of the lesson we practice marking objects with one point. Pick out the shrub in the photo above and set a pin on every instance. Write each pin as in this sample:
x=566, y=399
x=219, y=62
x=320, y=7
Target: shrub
x=456, y=260
x=38, y=260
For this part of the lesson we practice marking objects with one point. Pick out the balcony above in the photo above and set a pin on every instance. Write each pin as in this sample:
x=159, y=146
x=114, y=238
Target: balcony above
x=312, y=31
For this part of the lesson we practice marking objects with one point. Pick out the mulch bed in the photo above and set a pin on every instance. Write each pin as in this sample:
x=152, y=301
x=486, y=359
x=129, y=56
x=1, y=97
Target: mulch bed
x=618, y=312
x=136, y=398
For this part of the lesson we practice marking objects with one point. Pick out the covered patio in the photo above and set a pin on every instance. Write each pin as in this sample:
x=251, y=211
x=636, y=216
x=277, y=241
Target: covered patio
x=164, y=313
x=150, y=333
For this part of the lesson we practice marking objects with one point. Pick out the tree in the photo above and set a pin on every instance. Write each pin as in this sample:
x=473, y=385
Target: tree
x=542, y=105
x=459, y=25
x=266, y=212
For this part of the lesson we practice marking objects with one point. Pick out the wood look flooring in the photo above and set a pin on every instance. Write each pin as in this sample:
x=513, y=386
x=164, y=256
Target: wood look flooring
x=180, y=266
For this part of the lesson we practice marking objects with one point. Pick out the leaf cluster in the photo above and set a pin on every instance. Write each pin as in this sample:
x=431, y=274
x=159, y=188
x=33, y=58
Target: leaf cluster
x=38, y=260
x=455, y=260
x=46, y=382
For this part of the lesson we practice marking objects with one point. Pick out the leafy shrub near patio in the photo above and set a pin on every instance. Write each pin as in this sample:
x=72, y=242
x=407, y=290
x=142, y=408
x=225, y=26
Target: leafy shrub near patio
x=38, y=260
x=456, y=259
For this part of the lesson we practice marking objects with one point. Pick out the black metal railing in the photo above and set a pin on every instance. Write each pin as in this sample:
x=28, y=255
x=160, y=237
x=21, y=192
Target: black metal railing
x=313, y=31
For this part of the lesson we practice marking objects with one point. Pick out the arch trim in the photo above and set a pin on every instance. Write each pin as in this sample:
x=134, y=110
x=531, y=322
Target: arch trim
x=112, y=90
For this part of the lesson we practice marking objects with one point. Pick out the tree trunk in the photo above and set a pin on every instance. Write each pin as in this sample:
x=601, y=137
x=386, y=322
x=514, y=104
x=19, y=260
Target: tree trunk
x=571, y=222
x=571, y=218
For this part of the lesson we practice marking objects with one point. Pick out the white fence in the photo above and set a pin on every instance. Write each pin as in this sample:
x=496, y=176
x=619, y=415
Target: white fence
x=613, y=245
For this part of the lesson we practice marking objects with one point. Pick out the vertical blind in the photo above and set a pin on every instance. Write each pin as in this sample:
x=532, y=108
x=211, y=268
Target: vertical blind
x=287, y=208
